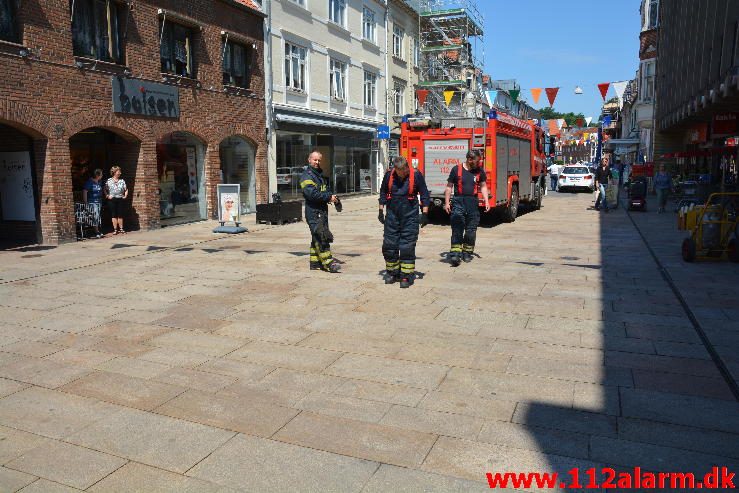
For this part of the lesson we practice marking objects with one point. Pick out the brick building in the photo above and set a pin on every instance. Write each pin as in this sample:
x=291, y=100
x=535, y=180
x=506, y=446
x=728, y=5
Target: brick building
x=171, y=91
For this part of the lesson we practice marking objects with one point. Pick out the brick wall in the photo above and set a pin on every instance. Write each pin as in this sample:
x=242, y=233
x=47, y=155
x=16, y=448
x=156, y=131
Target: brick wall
x=49, y=99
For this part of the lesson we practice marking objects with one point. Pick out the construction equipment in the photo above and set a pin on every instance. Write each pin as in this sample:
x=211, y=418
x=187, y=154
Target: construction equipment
x=715, y=229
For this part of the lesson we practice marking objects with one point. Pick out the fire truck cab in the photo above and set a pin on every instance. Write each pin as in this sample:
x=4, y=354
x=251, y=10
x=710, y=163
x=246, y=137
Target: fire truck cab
x=512, y=151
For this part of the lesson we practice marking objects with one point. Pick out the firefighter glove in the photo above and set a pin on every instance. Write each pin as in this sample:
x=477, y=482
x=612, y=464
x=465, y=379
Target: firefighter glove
x=381, y=217
x=424, y=219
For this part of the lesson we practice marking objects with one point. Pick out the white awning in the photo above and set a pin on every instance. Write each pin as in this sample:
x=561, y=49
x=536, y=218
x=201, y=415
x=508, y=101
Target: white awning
x=320, y=122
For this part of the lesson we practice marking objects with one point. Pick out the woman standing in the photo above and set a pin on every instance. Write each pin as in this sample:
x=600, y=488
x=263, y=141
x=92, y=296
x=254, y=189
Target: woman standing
x=662, y=185
x=116, y=192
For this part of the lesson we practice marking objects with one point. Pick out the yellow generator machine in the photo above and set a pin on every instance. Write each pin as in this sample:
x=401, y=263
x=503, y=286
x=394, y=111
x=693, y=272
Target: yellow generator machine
x=713, y=229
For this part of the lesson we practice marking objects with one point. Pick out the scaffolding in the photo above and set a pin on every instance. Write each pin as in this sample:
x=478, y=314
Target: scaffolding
x=452, y=55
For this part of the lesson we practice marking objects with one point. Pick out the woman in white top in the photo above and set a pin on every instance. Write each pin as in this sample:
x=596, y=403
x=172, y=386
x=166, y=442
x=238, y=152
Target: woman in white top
x=116, y=192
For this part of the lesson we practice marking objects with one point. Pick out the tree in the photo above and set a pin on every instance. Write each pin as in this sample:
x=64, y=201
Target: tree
x=552, y=114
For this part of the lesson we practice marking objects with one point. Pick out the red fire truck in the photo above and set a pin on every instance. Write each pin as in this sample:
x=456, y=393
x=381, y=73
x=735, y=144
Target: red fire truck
x=512, y=150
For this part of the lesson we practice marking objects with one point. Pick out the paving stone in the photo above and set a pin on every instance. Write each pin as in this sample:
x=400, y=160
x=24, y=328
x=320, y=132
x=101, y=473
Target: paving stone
x=351, y=344
x=14, y=443
x=683, y=384
x=686, y=366
x=72, y=341
x=358, y=439
x=139, y=478
x=187, y=319
x=702, y=412
x=123, y=390
x=148, y=438
x=392, y=394
x=238, y=369
x=387, y=370
x=284, y=387
x=284, y=356
x=173, y=357
x=268, y=334
x=129, y=331
x=193, y=379
x=255, y=464
x=73, y=323
x=11, y=480
x=535, y=438
x=343, y=407
x=121, y=347
x=464, y=358
x=566, y=370
x=8, y=387
x=681, y=350
x=468, y=405
x=233, y=413
x=41, y=372
x=546, y=416
x=80, y=357
x=597, y=399
x=402, y=480
x=207, y=344
x=435, y=422
x=133, y=367
x=556, y=352
x=34, y=349
x=44, y=486
x=67, y=464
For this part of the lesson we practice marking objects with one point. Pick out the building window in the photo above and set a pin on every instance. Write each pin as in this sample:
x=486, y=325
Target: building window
x=398, y=36
x=295, y=67
x=8, y=22
x=337, y=11
x=235, y=64
x=399, y=97
x=416, y=52
x=95, y=30
x=370, y=89
x=368, y=24
x=646, y=91
x=653, y=13
x=176, y=51
x=338, y=80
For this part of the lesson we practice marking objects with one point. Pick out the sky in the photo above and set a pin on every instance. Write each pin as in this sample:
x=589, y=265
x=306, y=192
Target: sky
x=563, y=44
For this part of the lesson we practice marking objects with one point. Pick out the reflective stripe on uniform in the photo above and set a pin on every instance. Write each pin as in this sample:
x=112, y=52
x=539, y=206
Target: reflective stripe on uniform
x=305, y=183
x=456, y=248
x=392, y=266
x=407, y=268
x=468, y=248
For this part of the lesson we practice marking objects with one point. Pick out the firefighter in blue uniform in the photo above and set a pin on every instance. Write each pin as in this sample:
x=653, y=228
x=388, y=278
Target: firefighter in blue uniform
x=399, y=193
x=467, y=181
x=317, y=197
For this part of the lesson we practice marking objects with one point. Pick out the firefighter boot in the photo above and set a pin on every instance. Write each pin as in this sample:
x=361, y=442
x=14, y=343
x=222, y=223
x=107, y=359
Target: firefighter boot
x=391, y=277
x=333, y=267
x=466, y=257
x=454, y=259
x=315, y=261
x=406, y=281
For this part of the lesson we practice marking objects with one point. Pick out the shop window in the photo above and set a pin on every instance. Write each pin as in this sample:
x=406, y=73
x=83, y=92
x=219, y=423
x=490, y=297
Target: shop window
x=337, y=12
x=8, y=21
x=96, y=30
x=370, y=89
x=176, y=50
x=235, y=64
x=338, y=80
x=398, y=38
x=295, y=57
x=368, y=24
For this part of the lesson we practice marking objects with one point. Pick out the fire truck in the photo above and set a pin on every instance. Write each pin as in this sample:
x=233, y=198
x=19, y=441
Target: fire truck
x=513, y=156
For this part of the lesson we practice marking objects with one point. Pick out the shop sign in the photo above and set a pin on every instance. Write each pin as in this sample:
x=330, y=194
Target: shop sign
x=724, y=123
x=139, y=97
x=229, y=196
x=698, y=133
x=732, y=142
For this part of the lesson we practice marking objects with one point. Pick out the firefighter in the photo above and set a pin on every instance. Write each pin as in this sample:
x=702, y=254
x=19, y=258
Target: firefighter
x=399, y=193
x=466, y=180
x=317, y=197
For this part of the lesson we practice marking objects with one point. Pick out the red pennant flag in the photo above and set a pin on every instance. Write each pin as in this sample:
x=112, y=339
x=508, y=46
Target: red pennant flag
x=580, y=121
x=604, y=89
x=551, y=94
x=422, y=94
x=536, y=94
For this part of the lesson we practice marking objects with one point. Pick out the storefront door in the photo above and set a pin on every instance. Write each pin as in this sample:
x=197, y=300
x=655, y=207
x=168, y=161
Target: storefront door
x=180, y=158
x=237, y=167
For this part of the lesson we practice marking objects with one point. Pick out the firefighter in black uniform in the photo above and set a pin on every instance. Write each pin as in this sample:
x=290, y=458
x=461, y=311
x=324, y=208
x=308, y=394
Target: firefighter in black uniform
x=467, y=181
x=317, y=197
x=399, y=194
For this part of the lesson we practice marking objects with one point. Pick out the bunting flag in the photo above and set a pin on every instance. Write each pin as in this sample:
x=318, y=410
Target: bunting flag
x=448, y=95
x=491, y=95
x=620, y=88
x=536, y=94
x=603, y=88
x=586, y=136
x=588, y=120
x=551, y=94
x=580, y=121
x=422, y=94
x=514, y=95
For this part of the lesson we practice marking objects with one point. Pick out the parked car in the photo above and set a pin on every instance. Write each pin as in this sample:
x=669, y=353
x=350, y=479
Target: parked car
x=576, y=177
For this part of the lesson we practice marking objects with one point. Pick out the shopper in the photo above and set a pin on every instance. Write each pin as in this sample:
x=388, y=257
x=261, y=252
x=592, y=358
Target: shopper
x=554, y=169
x=602, y=174
x=92, y=195
x=662, y=186
x=116, y=192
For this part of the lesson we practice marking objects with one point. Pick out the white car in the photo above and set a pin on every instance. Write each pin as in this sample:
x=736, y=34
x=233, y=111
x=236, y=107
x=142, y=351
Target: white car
x=576, y=177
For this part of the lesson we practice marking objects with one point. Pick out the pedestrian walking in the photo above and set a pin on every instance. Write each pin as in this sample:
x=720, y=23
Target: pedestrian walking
x=554, y=170
x=399, y=196
x=662, y=186
x=468, y=180
x=317, y=197
x=116, y=192
x=602, y=174
x=92, y=195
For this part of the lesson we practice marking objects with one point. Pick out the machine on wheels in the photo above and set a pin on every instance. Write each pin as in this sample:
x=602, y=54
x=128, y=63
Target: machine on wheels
x=714, y=229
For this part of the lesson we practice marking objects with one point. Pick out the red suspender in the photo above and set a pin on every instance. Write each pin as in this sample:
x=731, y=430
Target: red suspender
x=476, y=188
x=411, y=185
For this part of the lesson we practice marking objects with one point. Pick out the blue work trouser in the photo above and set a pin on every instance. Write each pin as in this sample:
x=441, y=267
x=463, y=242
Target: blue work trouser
x=602, y=196
x=320, y=248
x=465, y=219
x=400, y=236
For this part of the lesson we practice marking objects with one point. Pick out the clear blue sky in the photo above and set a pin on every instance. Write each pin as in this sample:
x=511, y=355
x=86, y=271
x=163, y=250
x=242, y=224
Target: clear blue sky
x=564, y=43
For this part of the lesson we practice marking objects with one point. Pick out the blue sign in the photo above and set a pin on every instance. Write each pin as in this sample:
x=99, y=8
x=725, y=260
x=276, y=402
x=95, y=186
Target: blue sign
x=383, y=132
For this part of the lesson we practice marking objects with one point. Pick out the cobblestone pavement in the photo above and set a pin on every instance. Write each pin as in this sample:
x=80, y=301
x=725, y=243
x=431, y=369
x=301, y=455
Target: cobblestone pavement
x=178, y=360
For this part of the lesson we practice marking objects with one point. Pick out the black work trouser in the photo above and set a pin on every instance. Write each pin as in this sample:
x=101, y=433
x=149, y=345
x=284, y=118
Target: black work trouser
x=465, y=219
x=400, y=236
x=320, y=247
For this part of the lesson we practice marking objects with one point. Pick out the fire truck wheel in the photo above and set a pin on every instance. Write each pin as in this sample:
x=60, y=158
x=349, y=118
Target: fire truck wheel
x=512, y=210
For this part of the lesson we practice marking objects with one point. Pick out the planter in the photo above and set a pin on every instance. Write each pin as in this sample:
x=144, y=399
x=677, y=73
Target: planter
x=280, y=212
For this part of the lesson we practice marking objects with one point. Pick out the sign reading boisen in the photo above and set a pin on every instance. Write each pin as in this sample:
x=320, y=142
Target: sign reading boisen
x=138, y=97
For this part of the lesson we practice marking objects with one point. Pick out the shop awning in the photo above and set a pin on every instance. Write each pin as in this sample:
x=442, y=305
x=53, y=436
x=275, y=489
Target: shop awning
x=324, y=122
x=622, y=142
